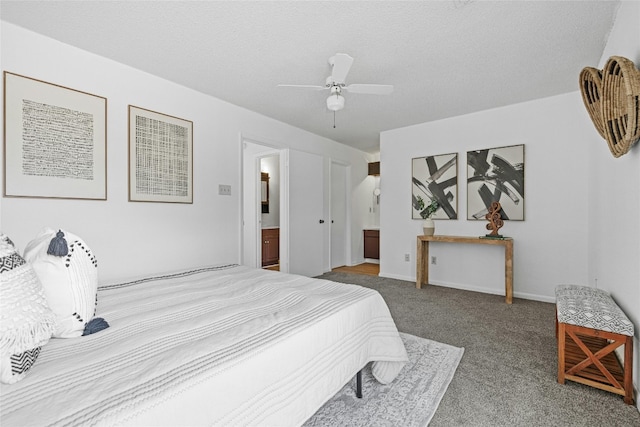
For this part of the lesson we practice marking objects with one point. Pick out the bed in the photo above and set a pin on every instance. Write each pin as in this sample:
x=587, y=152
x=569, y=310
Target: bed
x=219, y=345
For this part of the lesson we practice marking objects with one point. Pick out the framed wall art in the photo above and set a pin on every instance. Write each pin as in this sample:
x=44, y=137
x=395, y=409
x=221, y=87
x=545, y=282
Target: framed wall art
x=55, y=141
x=160, y=157
x=496, y=175
x=435, y=178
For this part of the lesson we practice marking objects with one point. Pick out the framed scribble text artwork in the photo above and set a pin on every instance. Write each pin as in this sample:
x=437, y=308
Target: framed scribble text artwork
x=55, y=141
x=496, y=175
x=434, y=179
x=160, y=157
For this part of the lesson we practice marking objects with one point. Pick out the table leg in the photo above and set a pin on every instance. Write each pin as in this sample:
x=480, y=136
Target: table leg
x=422, y=263
x=508, y=271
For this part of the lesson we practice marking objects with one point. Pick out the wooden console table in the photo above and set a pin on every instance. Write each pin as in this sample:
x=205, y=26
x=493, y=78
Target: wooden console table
x=422, y=258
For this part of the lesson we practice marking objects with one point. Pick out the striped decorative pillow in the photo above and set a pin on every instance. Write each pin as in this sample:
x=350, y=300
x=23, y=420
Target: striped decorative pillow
x=26, y=321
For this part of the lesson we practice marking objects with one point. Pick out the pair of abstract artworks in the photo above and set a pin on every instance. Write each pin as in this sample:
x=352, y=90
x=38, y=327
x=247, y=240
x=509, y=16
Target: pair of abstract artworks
x=56, y=146
x=493, y=175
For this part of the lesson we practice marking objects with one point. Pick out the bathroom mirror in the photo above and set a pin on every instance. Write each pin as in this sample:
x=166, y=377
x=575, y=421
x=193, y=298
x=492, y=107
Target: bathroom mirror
x=264, y=198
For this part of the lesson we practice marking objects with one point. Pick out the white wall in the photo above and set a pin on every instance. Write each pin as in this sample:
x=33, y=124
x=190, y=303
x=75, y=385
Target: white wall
x=138, y=238
x=614, y=247
x=550, y=246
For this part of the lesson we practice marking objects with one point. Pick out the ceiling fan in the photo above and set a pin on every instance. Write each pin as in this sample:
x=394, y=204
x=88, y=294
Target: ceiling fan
x=335, y=83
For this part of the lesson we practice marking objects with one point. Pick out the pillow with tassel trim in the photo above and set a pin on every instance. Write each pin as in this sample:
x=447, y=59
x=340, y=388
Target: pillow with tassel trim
x=26, y=321
x=68, y=271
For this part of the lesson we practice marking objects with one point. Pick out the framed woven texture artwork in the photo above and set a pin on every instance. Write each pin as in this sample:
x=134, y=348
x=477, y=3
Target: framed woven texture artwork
x=496, y=175
x=160, y=157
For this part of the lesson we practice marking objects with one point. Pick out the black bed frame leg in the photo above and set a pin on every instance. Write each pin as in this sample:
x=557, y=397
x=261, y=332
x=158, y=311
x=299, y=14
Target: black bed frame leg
x=359, y=384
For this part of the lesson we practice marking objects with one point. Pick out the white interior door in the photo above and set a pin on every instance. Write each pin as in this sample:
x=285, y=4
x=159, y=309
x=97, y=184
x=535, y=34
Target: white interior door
x=306, y=222
x=338, y=215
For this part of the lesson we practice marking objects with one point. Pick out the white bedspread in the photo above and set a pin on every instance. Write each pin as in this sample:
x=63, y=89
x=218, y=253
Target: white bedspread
x=225, y=346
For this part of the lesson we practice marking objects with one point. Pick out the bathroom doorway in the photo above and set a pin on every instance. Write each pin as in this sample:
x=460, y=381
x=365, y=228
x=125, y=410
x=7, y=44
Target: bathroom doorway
x=270, y=212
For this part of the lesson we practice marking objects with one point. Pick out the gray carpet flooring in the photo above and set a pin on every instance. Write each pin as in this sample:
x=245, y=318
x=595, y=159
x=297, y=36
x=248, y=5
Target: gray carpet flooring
x=508, y=374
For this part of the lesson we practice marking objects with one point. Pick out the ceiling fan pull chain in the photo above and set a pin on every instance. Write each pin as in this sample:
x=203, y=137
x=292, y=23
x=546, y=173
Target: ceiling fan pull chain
x=334, y=119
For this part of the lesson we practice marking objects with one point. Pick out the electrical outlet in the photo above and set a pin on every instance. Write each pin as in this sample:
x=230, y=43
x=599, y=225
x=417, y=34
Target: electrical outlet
x=407, y=257
x=434, y=260
x=224, y=190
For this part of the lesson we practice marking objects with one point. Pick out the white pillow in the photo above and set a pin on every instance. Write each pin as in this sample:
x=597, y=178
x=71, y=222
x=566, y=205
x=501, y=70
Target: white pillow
x=26, y=322
x=70, y=282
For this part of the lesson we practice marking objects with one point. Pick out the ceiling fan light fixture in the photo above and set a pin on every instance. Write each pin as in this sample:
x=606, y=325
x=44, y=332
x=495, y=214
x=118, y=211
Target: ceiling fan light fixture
x=335, y=102
x=336, y=83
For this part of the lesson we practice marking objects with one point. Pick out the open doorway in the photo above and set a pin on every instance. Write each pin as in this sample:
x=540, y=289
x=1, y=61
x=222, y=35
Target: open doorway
x=270, y=212
x=252, y=153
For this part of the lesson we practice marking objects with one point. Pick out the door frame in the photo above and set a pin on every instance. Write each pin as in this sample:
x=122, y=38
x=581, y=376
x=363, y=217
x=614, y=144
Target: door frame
x=251, y=250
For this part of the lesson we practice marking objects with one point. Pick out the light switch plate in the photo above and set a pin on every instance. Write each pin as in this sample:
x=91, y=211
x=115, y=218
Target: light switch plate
x=224, y=190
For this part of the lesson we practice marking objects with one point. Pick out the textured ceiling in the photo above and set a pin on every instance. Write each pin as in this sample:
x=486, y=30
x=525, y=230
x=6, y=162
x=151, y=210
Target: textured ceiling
x=445, y=58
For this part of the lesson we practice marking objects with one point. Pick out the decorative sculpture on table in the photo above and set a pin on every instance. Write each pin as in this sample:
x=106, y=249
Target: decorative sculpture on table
x=495, y=220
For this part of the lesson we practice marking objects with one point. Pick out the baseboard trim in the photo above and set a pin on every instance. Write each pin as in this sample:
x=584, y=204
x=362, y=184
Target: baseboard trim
x=480, y=289
x=397, y=277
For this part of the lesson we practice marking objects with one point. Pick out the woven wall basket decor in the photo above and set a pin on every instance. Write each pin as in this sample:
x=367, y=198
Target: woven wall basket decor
x=591, y=85
x=612, y=99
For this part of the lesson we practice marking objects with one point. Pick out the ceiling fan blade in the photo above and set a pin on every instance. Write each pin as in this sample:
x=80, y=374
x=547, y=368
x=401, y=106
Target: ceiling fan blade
x=312, y=87
x=341, y=66
x=369, y=89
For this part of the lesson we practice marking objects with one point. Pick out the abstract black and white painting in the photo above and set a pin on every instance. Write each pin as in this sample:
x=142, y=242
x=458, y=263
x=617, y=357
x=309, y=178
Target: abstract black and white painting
x=435, y=178
x=496, y=175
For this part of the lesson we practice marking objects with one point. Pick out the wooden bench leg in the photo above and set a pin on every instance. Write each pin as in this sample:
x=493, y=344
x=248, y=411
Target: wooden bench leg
x=628, y=371
x=560, y=334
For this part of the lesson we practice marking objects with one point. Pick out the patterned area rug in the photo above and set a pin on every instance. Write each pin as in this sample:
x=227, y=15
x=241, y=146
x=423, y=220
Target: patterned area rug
x=410, y=400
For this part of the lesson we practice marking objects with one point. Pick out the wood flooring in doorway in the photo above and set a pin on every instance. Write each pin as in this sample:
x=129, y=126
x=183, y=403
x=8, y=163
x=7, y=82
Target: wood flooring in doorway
x=366, y=268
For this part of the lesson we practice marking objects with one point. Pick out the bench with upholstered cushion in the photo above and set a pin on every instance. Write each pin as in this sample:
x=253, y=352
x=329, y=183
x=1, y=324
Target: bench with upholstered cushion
x=596, y=326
